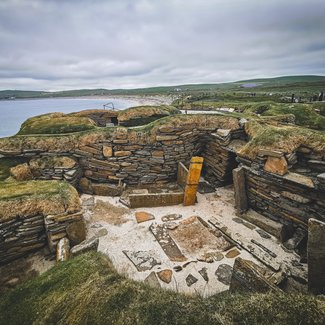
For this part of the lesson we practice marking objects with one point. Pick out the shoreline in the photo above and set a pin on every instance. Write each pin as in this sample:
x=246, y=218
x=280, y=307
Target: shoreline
x=138, y=100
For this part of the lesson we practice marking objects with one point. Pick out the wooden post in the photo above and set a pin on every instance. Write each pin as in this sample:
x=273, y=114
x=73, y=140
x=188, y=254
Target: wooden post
x=193, y=179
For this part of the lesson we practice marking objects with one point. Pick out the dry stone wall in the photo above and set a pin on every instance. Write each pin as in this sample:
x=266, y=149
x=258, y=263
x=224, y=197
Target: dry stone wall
x=274, y=188
x=285, y=187
x=25, y=234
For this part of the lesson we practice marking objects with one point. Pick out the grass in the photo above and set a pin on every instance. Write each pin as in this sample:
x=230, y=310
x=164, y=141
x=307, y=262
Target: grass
x=282, y=138
x=6, y=164
x=305, y=114
x=37, y=197
x=301, y=85
x=143, y=115
x=56, y=123
x=88, y=290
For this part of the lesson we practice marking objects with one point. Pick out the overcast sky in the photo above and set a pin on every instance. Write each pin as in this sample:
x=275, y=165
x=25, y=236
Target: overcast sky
x=70, y=44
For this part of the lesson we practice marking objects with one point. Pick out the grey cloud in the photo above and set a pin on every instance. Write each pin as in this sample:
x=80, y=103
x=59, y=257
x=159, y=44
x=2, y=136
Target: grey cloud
x=48, y=44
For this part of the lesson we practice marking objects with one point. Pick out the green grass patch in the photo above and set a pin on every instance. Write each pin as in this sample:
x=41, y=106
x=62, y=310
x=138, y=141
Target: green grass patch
x=280, y=137
x=37, y=197
x=56, y=123
x=88, y=290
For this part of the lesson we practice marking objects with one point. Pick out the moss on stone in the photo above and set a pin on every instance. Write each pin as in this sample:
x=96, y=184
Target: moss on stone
x=145, y=114
x=55, y=123
x=282, y=138
x=37, y=197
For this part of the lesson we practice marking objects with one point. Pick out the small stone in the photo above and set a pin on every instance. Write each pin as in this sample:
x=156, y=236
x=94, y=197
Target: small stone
x=206, y=257
x=143, y=216
x=96, y=225
x=224, y=273
x=276, y=165
x=152, y=280
x=85, y=246
x=165, y=275
x=62, y=250
x=76, y=232
x=171, y=225
x=190, y=280
x=218, y=256
x=102, y=232
x=233, y=253
x=223, y=132
x=171, y=217
x=107, y=151
x=12, y=282
x=177, y=268
x=263, y=234
x=188, y=263
x=122, y=153
x=204, y=273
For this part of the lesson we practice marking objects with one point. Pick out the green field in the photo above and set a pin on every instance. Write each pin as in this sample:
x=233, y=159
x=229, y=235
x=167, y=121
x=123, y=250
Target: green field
x=303, y=86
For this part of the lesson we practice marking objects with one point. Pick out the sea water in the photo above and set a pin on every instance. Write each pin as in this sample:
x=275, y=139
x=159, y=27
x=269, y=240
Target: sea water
x=14, y=112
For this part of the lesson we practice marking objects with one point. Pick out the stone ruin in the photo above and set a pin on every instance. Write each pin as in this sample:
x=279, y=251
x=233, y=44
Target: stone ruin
x=285, y=189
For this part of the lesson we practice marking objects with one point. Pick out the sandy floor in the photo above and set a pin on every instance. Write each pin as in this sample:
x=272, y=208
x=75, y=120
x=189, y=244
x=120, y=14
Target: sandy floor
x=129, y=235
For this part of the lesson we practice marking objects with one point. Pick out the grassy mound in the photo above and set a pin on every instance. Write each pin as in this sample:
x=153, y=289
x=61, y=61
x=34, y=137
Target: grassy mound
x=87, y=290
x=283, y=138
x=305, y=114
x=36, y=197
x=55, y=123
x=140, y=115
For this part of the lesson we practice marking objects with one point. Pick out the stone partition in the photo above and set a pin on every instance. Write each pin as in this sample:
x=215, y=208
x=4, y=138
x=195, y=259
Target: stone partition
x=316, y=256
x=35, y=214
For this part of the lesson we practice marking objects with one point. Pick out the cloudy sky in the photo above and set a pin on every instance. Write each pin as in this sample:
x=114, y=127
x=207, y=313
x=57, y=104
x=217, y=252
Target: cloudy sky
x=70, y=44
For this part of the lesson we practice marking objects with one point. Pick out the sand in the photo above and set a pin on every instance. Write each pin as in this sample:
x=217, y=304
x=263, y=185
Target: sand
x=132, y=236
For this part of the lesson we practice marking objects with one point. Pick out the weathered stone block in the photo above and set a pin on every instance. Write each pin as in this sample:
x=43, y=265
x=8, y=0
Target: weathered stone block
x=107, y=151
x=85, y=246
x=316, y=256
x=166, y=137
x=247, y=278
x=274, y=228
x=241, y=200
x=300, y=179
x=276, y=165
x=104, y=189
x=62, y=250
x=122, y=153
x=76, y=232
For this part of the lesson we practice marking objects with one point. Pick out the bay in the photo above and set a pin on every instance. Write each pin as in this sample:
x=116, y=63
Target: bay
x=14, y=112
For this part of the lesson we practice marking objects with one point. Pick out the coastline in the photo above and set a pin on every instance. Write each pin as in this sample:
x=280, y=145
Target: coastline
x=140, y=99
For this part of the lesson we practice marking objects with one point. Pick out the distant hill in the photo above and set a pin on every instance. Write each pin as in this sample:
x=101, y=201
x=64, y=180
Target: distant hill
x=278, y=84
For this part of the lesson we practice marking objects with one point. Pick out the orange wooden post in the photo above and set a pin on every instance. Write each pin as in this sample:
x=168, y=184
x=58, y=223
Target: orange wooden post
x=193, y=179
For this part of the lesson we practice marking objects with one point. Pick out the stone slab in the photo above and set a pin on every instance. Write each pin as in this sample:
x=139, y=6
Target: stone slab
x=272, y=227
x=142, y=216
x=142, y=260
x=316, y=256
x=246, y=278
x=167, y=243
